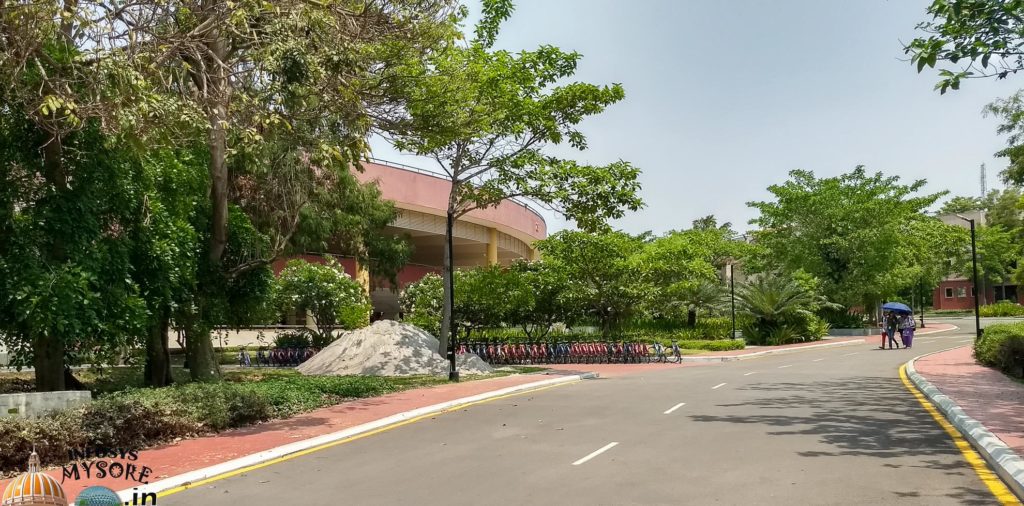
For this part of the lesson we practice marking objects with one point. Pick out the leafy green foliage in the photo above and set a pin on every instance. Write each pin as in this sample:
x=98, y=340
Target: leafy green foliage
x=782, y=311
x=421, y=303
x=487, y=117
x=1002, y=346
x=138, y=418
x=539, y=298
x=1003, y=308
x=981, y=38
x=603, y=276
x=865, y=236
x=334, y=300
x=65, y=252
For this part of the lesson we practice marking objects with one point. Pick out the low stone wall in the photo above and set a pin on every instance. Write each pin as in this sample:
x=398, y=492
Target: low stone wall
x=35, y=404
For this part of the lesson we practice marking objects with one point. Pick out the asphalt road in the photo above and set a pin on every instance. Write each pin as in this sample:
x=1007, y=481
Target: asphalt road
x=830, y=426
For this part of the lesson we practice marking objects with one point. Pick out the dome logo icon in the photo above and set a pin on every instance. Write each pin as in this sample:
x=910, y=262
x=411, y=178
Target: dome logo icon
x=34, y=488
x=98, y=496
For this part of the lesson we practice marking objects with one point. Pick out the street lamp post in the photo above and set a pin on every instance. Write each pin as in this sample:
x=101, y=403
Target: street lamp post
x=974, y=264
x=923, y=295
x=732, y=295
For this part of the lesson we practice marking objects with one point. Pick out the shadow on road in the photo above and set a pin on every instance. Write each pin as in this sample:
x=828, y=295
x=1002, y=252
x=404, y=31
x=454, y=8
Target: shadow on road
x=859, y=416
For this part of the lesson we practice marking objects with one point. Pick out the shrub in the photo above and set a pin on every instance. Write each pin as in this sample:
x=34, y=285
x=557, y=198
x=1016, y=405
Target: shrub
x=719, y=345
x=1002, y=346
x=421, y=302
x=333, y=299
x=299, y=338
x=1002, y=308
x=782, y=311
x=137, y=418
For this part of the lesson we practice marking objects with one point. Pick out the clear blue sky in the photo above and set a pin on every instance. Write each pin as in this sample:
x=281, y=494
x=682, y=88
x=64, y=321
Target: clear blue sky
x=723, y=98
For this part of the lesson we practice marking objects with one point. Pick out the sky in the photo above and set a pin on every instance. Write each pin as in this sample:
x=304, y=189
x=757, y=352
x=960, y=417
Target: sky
x=725, y=97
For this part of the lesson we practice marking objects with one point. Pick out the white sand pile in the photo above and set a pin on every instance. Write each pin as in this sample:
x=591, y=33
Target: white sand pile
x=387, y=348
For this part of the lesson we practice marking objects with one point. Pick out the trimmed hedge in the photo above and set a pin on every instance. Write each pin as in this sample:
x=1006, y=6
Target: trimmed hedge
x=1002, y=346
x=138, y=418
x=719, y=345
x=1002, y=308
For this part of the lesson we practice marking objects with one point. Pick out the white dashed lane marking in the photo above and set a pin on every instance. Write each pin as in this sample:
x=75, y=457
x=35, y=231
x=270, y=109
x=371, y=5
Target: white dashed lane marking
x=720, y=385
x=673, y=408
x=599, y=451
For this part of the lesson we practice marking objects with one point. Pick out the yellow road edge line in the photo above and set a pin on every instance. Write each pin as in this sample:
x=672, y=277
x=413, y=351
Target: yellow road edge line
x=991, y=480
x=349, y=439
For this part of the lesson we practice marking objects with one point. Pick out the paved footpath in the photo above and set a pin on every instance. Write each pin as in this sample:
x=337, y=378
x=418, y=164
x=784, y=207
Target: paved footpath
x=985, y=394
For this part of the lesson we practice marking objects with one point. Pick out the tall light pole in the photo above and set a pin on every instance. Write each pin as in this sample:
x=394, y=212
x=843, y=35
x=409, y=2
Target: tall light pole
x=732, y=295
x=974, y=263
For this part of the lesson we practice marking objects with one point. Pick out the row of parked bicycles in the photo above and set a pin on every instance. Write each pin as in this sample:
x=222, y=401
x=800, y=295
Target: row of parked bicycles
x=504, y=353
x=275, y=357
x=572, y=353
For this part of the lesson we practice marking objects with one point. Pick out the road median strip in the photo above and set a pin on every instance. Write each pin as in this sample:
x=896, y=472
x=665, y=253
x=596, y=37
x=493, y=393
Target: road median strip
x=1004, y=472
x=283, y=453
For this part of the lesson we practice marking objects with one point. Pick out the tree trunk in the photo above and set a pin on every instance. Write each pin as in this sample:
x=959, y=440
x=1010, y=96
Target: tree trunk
x=447, y=309
x=217, y=144
x=48, y=360
x=202, y=360
x=158, y=356
x=48, y=350
x=691, y=318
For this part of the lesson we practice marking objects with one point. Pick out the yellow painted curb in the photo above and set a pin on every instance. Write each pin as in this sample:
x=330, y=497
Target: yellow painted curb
x=325, y=446
x=999, y=489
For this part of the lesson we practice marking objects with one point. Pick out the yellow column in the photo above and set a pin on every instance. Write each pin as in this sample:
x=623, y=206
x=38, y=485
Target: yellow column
x=363, y=277
x=492, y=247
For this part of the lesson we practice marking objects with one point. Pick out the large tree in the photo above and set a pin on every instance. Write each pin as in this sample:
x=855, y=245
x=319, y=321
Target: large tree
x=288, y=87
x=487, y=115
x=603, y=271
x=850, y=231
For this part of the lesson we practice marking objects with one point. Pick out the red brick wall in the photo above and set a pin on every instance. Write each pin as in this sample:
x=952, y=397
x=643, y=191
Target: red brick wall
x=940, y=301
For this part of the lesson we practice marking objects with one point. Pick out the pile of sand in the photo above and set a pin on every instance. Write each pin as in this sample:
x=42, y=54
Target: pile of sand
x=387, y=348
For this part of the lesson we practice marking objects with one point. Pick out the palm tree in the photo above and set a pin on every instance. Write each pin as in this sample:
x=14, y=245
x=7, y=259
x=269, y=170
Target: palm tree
x=773, y=302
x=702, y=295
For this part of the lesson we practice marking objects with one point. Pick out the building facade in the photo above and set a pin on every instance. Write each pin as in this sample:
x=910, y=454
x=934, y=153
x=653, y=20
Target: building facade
x=957, y=292
x=496, y=235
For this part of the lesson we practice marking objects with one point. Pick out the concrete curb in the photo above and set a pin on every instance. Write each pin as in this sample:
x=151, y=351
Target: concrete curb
x=1006, y=463
x=198, y=475
x=780, y=351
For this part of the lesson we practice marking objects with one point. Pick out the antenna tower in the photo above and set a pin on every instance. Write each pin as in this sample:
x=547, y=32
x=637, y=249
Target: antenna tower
x=984, y=182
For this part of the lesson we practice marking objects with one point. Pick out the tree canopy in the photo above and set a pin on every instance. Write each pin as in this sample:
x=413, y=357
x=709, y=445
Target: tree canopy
x=977, y=38
x=850, y=231
x=486, y=116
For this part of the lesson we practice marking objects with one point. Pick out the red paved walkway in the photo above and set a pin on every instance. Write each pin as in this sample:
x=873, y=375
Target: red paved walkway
x=193, y=454
x=985, y=394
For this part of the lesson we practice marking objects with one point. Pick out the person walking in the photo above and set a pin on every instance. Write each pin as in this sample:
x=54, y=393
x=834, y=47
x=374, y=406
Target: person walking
x=891, y=326
x=907, y=327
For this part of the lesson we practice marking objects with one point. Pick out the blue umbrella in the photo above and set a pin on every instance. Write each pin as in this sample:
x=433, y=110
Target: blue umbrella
x=898, y=307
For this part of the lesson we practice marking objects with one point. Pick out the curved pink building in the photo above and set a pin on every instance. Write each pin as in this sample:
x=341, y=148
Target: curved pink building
x=499, y=234
x=422, y=198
